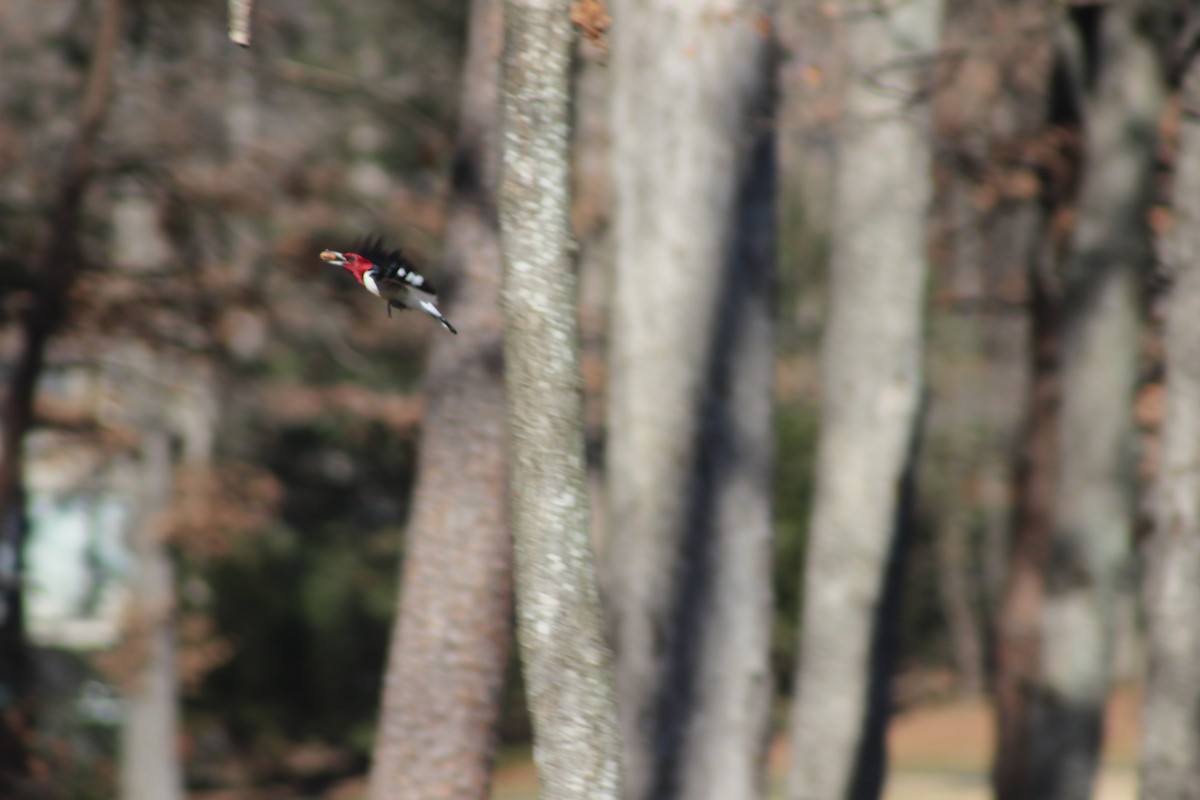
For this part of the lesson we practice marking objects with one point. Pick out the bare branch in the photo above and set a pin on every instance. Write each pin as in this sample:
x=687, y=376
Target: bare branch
x=239, y=21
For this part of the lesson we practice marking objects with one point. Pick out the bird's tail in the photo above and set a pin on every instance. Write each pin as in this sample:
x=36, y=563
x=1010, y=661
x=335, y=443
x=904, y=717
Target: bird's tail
x=432, y=310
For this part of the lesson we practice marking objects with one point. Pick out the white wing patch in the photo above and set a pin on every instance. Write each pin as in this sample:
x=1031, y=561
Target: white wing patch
x=391, y=277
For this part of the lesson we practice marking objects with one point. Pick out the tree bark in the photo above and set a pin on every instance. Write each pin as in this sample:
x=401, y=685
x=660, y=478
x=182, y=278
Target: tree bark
x=1017, y=623
x=959, y=600
x=450, y=646
x=871, y=385
x=1017, y=634
x=1170, y=757
x=1122, y=89
x=690, y=434
x=568, y=667
x=150, y=768
x=54, y=272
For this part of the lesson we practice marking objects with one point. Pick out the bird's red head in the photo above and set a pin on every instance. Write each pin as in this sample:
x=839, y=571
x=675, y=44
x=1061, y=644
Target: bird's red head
x=353, y=262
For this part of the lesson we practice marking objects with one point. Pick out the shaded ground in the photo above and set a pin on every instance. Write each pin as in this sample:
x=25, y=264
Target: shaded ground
x=938, y=753
x=943, y=752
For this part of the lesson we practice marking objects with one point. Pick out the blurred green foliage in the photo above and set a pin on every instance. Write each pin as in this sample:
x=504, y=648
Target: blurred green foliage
x=307, y=605
x=796, y=427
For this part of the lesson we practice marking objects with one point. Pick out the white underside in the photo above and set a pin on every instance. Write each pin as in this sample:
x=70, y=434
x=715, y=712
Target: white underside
x=408, y=297
x=369, y=283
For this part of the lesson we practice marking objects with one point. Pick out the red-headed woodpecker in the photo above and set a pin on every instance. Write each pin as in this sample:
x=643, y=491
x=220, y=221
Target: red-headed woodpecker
x=388, y=274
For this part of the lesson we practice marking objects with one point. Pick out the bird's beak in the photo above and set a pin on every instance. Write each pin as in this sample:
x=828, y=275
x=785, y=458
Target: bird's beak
x=334, y=257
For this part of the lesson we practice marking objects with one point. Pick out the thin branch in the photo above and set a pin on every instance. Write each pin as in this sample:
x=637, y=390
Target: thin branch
x=239, y=21
x=55, y=266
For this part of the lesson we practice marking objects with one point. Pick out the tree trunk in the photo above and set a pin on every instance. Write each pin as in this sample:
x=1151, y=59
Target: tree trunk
x=690, y=437
x=54, y=269
x=1030, y=240
x=1017, y=635
x=445, y=675
x=150, y=768
x=1121, y=102
x=871, y=384
x=1170, y=759
x=956, y=591
x=568, y=667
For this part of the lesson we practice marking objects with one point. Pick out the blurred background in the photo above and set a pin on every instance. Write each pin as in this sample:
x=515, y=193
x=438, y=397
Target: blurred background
x=211, y=439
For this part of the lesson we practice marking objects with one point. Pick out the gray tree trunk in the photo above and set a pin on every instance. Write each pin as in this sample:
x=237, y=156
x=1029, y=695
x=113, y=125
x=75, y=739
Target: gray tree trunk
x=567, y=663
x=150, y=767
x=871, y=385
x=172, y=403
x=1122, y=98
x=690, y=434
x=450, y=646
x=1170, y=758
x=959, y=599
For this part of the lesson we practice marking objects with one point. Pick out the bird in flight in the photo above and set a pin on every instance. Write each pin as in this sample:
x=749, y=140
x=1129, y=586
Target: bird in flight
x=390, y=275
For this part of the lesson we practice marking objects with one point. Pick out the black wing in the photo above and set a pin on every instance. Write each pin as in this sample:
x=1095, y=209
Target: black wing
x=392, y=266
